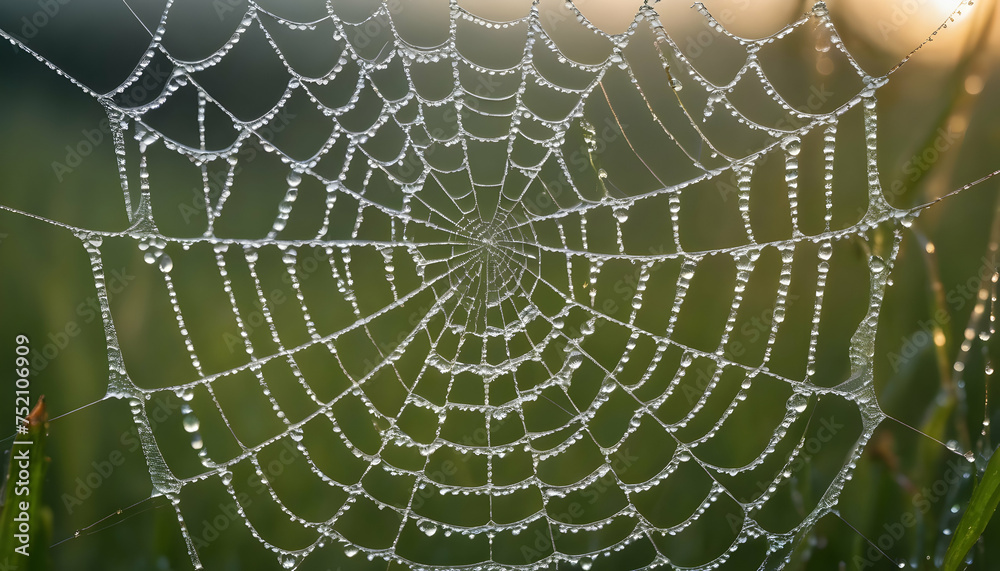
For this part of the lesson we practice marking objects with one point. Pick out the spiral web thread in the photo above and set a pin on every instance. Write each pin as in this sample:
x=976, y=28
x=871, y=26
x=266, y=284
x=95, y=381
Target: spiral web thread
x=470, y=260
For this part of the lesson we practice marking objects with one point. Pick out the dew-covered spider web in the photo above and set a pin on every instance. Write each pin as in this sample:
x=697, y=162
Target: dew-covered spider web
x=511, y=332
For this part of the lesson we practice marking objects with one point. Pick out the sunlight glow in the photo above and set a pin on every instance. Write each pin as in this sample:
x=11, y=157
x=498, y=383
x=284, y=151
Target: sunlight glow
x=900, y=25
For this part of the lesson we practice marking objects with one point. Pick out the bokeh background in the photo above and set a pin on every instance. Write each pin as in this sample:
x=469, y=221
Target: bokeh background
x=939, y=128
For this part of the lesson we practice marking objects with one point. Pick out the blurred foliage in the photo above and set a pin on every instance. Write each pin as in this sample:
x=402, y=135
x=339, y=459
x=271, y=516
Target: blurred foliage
x=25, y=519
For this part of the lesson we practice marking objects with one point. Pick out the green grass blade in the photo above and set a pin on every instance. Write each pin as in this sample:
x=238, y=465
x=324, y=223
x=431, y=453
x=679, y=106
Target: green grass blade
x=981, y=507
x=16, y=493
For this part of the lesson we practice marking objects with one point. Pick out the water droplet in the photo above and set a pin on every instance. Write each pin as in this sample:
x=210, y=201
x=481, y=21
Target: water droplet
x=826, y=251
x=876, y=264
x=428, y=527
x=792, y=146
x=191, y=423
x=798, y=402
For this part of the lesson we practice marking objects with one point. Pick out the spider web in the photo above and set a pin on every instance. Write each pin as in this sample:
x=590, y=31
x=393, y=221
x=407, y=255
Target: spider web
x=469, y=288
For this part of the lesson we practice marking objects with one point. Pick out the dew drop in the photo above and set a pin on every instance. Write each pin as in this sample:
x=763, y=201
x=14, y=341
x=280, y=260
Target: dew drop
x=428, y=527
x=191, y=423
x=792, y=145
x=876, y=264
x=826, y=251
x=798, y=402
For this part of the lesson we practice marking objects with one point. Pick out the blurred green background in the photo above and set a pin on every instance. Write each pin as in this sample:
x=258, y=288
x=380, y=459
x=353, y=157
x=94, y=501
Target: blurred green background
x=940, y=101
